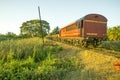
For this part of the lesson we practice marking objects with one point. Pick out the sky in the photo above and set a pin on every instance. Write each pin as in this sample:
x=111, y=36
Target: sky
x=57, y=12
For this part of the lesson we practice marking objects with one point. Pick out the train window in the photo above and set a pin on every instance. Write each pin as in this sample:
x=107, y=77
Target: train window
x=78, y=24
x=72, y=27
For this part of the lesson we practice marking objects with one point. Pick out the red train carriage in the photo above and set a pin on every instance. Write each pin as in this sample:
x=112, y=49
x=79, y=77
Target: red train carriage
x=92, y=25
x=91, y=28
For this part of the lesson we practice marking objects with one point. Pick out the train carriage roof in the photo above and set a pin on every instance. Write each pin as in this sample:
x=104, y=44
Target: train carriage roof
x=93, y=17
x=97, y=17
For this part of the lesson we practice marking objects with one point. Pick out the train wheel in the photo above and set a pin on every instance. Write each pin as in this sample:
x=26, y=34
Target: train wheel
x=95, y=43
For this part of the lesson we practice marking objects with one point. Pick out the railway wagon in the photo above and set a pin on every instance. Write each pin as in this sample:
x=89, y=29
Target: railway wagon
x=91, y=25
x=90, y=29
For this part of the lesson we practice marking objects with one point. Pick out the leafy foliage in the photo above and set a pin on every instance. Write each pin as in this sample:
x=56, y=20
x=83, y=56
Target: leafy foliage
x=114, y=33
x=55, y=30
x=32, y=28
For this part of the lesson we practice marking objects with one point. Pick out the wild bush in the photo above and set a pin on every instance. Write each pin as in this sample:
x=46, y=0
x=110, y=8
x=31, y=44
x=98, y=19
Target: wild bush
x=111, y=45
x=56, y=69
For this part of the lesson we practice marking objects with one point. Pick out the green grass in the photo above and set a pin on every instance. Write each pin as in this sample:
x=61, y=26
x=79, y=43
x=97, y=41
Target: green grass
x=27, y=59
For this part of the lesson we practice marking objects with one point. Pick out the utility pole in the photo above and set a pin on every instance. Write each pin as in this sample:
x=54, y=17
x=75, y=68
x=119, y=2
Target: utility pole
x=41, y=26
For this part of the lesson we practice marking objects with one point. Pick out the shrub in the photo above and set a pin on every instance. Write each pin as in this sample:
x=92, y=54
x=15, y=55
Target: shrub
x=111, y=45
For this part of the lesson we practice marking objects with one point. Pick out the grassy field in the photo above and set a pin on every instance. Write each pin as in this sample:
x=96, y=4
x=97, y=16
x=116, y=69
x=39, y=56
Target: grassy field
x=98, y=66
x=27, y=59
x=97, y=63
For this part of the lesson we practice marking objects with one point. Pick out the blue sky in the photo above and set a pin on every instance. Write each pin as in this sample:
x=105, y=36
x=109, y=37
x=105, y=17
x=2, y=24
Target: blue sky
x=57, y=12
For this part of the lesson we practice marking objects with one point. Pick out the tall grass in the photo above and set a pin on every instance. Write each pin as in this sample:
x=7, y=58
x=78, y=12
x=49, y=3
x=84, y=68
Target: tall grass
x=26, y=59
x=21, y=49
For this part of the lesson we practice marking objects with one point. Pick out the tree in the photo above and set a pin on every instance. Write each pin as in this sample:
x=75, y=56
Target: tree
x=8, y=36
x=32, y=28
x=55, y=30
x=114, y=33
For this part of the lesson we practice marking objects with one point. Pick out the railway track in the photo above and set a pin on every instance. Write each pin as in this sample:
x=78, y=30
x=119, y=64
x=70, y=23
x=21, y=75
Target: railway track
x=75, y=41
x=90, y=47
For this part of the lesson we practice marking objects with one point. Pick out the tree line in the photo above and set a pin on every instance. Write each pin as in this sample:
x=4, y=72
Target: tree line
x=32, y=28
x=8, y=36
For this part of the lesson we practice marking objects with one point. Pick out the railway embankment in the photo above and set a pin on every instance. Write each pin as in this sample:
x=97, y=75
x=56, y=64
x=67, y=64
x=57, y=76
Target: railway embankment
x=98, y=63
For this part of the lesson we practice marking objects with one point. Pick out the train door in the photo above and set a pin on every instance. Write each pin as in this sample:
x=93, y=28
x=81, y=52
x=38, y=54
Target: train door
x=82, y=29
